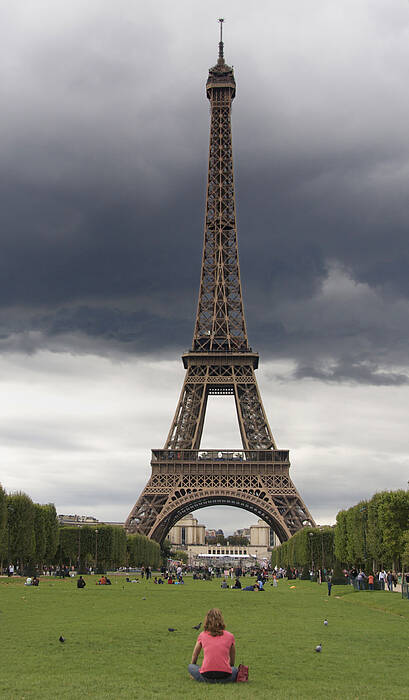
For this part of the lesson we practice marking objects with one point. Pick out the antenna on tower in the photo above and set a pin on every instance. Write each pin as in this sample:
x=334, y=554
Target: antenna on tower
x=221, y=57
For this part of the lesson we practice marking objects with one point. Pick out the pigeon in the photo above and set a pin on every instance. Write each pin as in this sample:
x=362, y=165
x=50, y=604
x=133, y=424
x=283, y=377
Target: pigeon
x=61, y=639
x=325, y=622
x=171, y=629
x=144, y=598
x=197, y=627
x=318, y=647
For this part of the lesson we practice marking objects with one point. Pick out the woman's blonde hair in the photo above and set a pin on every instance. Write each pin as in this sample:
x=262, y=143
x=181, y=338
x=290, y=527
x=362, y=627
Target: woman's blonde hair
x=214, y=623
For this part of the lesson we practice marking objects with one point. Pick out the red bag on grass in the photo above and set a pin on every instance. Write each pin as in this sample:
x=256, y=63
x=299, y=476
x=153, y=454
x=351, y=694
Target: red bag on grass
x=242, y=674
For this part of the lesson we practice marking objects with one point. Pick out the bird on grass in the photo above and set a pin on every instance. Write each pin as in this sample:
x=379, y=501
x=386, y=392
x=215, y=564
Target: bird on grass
x=171, y=629
x=197, y=627
x=325, y=622
x=144, y=598
x=61, y=639
x=318, y=648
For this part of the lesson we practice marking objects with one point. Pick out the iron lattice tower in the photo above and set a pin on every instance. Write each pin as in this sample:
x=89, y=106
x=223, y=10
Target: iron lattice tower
x=220, y=362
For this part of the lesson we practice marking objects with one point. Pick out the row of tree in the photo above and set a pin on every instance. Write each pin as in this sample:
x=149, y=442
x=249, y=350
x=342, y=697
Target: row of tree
x=104, y=547
x=375, y=532
x=311, y=547
x=372, y=534
x=31, y=537
x=29, y=532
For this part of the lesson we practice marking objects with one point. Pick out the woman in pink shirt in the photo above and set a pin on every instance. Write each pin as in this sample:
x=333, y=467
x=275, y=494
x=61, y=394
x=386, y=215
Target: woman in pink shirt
x=219, y=651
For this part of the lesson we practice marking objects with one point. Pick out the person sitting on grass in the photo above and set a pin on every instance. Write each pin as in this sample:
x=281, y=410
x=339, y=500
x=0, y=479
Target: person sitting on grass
x=170, y=579
x=81, y=583
x=237, y=583
x=224, y=584
x=102, y=581
x=36, y=581
x=219, y=651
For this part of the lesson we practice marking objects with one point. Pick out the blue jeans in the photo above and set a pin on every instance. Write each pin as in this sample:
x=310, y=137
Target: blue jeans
x=194, y=671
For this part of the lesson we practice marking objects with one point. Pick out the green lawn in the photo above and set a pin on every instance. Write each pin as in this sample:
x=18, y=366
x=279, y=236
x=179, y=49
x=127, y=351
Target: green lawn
x=118, y=645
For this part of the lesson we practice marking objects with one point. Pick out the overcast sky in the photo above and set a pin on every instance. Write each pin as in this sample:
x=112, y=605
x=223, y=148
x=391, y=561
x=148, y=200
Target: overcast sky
x=103, y=157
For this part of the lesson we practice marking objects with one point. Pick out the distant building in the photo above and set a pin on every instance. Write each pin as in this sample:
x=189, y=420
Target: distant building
x=81, y=520
x=188, y=535
x=77, y=520
x=243, y=532
x=187, y=531
x=210, y=533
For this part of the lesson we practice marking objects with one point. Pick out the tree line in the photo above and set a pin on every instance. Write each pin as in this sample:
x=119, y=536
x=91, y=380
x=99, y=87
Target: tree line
x=29, y=532
x=106, y=546
x=311, y=547
x=32, y=538
x=375, y=533
x=372, y=534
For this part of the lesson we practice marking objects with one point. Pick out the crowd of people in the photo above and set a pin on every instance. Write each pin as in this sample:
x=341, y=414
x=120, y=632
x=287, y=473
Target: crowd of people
x=175, y=572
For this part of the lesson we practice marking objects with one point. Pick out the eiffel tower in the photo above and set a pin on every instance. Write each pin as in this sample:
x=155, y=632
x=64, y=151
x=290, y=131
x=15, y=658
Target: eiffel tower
x=220, y=362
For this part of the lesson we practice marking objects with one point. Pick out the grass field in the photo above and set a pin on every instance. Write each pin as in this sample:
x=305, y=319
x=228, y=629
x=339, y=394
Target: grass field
x=118, y=645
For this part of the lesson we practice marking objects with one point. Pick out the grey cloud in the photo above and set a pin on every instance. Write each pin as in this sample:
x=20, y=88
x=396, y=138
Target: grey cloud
x=352, y=371
x=103, y=177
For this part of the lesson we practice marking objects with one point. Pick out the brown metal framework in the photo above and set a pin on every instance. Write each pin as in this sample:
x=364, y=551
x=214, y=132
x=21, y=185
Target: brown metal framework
x=220, y=362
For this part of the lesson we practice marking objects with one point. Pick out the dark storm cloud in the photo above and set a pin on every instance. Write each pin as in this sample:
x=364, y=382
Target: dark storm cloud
x=353, y=371
x=102, y=194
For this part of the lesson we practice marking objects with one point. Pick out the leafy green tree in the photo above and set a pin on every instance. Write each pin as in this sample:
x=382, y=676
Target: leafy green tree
x=405, y=551
x=20, y=509
x=340, y=537
x=3, y=525
x=394, y=520
x=219, y=539
x=67, y=552
x=338, y=576
x=165, y=550
x=142, y=551
x=52, y=532
x=356, y=524
x=238, y=540
x=39, y=534
x=374, y=535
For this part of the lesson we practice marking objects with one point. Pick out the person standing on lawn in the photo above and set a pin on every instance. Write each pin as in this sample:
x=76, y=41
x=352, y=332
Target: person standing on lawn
x=219, y=651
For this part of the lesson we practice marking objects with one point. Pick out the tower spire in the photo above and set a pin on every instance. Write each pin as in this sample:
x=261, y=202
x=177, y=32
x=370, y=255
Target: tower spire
x=221, y=45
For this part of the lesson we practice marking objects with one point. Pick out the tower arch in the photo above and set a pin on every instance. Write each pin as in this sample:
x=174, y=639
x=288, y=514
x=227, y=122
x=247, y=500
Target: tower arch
x=184, y=505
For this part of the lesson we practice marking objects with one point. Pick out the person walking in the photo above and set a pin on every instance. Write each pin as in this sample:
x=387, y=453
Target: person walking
x=219, y=651
x=382, y=579
x=389, y=578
